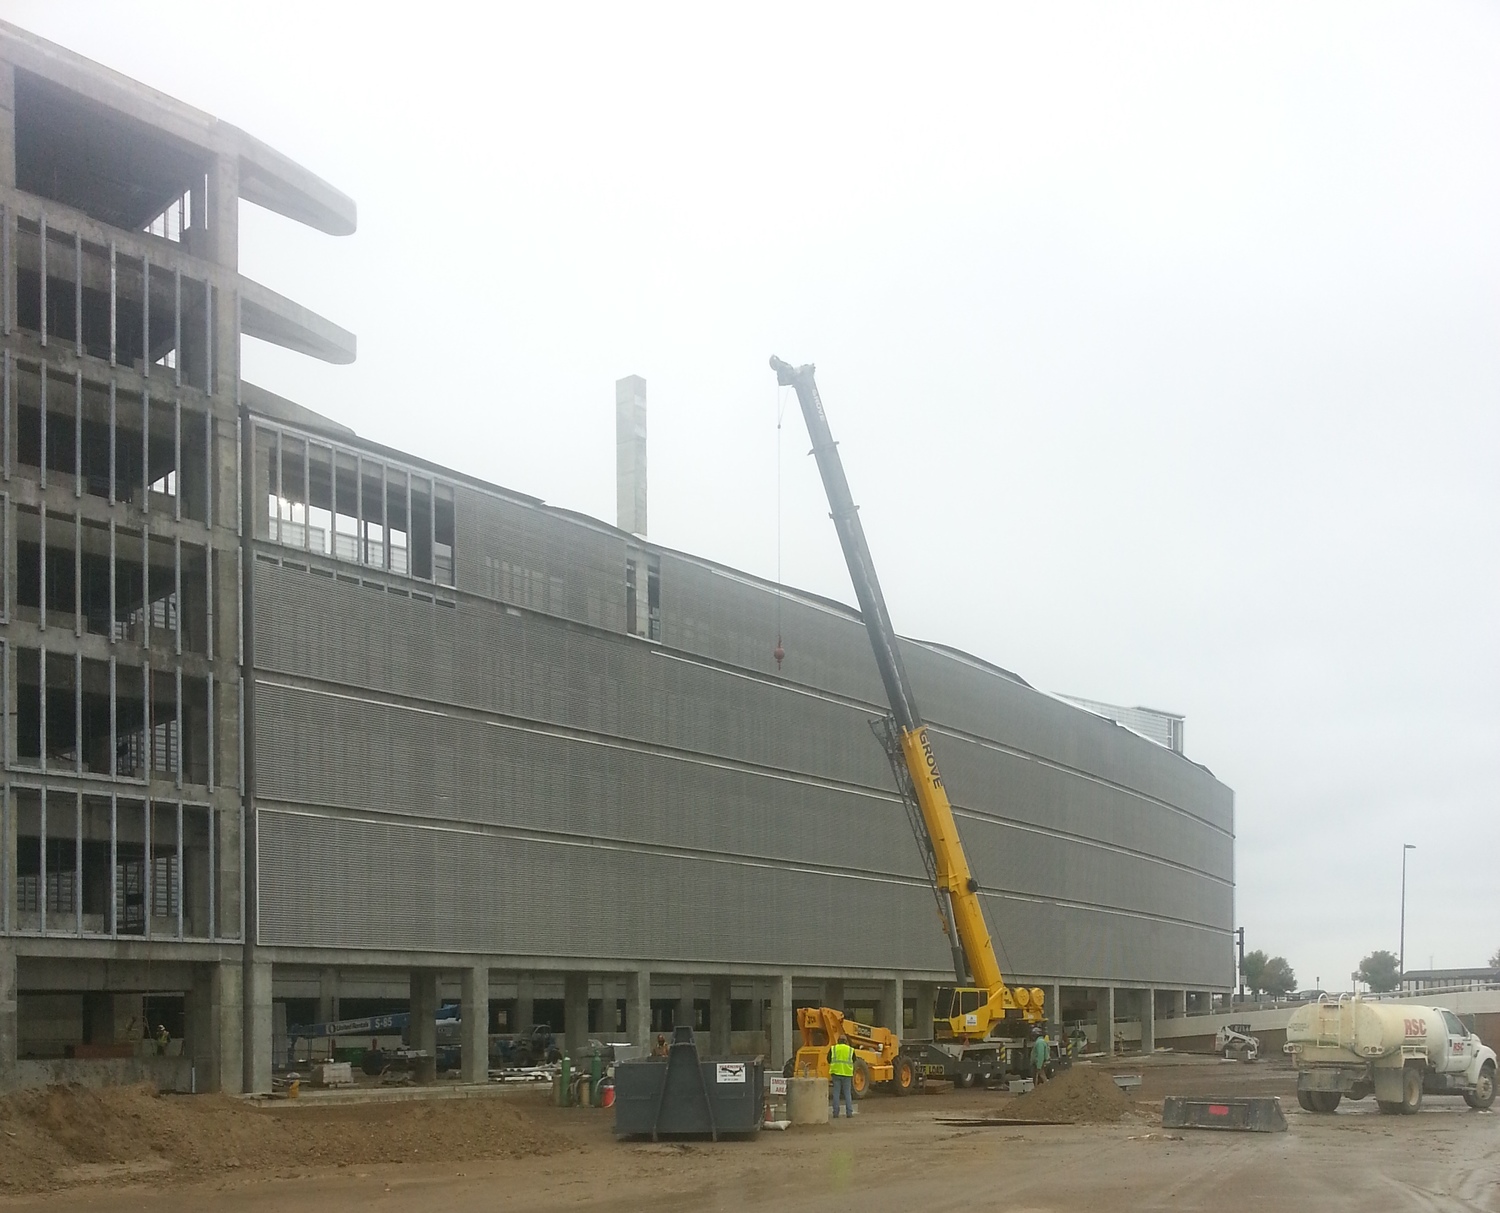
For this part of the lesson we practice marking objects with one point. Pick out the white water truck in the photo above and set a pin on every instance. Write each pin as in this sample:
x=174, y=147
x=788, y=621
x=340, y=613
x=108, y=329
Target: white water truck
x=1395, y=1051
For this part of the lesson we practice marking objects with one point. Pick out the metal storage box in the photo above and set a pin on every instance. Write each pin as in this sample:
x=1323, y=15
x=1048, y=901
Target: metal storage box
x=685, y=1095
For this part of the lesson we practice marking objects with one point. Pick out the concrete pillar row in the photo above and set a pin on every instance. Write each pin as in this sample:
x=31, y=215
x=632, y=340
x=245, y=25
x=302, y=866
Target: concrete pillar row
x=256, y=1003
x=718, y=1016
x=475, y=1011
x=892, y=1005
x=525, y=1002
x=214, y=1010
x=683, y=1014
x=781, y=1021
x=925, y=1010
x=576, y=1012
x=638, y=1008
x=9, y=1026
x=1179, y=1004
x=1104, y=1019
x=1053, y=1008
x=423, y=987
x=328, y=995
x=1148, y=1021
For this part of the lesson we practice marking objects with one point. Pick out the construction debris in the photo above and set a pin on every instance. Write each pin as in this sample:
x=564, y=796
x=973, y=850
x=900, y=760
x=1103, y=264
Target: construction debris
x=1080, y=1095
x=60, y=1136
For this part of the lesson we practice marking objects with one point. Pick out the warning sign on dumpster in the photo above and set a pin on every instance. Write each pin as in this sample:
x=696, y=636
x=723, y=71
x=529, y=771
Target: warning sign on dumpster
x=731, y=1071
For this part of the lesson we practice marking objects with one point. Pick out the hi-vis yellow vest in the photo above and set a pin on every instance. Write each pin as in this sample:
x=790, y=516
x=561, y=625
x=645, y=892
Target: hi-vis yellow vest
x=841, y=1059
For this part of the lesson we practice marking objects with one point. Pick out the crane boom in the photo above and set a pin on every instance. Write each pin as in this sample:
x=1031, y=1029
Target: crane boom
x=958, y=891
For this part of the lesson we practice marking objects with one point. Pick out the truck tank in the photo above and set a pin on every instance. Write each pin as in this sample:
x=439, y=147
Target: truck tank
x=1367, y=1030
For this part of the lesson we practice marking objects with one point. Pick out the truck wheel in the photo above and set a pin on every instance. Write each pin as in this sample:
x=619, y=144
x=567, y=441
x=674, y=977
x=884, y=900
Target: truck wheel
x=1326, y=1101
x=1483, y=1094
x=790, y=1068
x=964, y=1078
x=1411, y=1090
x=861, y=1078
x=904, y=1078
x=1304, y=1100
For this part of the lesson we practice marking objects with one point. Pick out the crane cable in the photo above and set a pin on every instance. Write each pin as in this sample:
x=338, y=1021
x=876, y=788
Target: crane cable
x=779, y=652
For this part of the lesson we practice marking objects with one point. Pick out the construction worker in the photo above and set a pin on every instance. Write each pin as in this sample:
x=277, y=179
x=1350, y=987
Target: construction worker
x=1040, y=1054
x=163, y=1039
x=661, y=1049
x=841, y=1079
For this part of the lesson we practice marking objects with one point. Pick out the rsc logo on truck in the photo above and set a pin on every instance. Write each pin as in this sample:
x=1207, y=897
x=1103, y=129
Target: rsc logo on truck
x=1416, y=1028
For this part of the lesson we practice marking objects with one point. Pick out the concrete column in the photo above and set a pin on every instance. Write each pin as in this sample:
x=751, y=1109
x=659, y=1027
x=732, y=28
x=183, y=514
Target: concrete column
x=576, y=1012
x=219, y=240
x=9, y=1026
x=1179, y=1004
x=8, y=126
x=214, y=1008
x=328, y=995
x=781, y=1022
x=423, y=1032
x=638, y=1008
x=833, y=993
x=683, y=1012
x=924, y=1011
x=1054, y=1007
x=1148, y=1021
x=1104, y=1020
x=525, y=1002
x=475, y=1010
x=256, y=1001
x=718, y=1016
x=892, y=1000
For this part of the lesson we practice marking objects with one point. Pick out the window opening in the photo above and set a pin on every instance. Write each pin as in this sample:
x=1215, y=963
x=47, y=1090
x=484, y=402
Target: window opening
x=195, y=729
x=130, y=717
x=94, y=713
x=165, y=869
x=197, y=863
x=443, y=540
x=130, y=867
x=26, y=805
x=653, y=598
x=166, y=738
x=93, y=569
x=320, y=499
x=61, y=737
x=398, y=526
x=94, y=870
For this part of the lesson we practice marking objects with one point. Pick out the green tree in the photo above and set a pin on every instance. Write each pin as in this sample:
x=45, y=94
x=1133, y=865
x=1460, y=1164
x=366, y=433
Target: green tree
x=1277, y=979
x=1252, y=970
x=1381, y=971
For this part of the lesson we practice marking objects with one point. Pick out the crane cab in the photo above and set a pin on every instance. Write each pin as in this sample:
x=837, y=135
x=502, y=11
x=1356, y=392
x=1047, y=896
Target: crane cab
x=972, y=1013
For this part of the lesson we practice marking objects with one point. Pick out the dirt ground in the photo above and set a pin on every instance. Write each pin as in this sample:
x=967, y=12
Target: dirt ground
x=516, y=1152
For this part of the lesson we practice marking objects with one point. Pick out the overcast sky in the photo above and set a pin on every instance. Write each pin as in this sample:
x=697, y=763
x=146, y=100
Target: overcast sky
x=1160, y=341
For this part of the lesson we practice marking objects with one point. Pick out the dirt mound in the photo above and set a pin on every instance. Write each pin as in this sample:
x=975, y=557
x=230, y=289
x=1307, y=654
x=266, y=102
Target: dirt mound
x=1081, y=1095
x=65, y=1135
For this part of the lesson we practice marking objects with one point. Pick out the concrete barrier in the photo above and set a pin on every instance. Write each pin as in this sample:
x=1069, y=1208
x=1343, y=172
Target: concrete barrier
x=807, y=1101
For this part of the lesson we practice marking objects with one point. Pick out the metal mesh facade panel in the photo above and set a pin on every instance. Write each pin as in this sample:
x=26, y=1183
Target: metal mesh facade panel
x=509, y=772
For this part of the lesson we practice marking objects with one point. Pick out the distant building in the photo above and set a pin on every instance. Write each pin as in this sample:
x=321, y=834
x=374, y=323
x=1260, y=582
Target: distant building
x=1422, y=981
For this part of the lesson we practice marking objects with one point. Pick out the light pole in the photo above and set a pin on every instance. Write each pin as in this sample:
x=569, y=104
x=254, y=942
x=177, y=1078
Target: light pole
x=1409, y=846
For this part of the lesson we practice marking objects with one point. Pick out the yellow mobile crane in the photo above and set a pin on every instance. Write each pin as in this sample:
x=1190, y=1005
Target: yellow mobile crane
x=980, y=1005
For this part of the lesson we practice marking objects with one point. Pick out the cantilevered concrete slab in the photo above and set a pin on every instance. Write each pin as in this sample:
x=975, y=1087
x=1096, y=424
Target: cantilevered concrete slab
x=170, y=128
